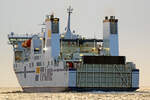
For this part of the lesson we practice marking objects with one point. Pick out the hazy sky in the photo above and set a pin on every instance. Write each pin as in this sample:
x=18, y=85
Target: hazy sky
x=21, y=16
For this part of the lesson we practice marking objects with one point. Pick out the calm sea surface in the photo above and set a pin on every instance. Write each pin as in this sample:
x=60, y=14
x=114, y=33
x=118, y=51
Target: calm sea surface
x=17, y=94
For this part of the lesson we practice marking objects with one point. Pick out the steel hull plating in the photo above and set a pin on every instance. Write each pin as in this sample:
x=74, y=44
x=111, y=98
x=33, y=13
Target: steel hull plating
x=44, y=89
x=83, y=89
x=105, y=89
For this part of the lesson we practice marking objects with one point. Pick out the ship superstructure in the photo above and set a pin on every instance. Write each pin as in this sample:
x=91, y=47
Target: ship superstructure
x=50, y=61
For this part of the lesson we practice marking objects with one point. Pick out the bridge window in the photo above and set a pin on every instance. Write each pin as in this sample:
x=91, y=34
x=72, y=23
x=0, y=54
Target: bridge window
x=39, y=64
x=18, y=56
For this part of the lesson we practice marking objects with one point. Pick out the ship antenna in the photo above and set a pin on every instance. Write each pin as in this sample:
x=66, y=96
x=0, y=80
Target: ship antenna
x=69, y=10
x=94, y=40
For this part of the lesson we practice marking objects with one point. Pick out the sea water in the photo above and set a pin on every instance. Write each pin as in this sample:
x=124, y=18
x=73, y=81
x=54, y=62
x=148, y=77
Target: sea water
x=17, y=94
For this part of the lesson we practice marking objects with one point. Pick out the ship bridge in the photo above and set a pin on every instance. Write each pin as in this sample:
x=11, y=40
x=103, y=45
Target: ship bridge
x=14, y=38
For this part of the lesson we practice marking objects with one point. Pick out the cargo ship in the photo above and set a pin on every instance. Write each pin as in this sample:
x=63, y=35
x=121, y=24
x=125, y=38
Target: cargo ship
x=51, y=61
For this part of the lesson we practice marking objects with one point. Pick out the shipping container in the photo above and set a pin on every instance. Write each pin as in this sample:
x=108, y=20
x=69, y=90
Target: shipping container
x=103, y=75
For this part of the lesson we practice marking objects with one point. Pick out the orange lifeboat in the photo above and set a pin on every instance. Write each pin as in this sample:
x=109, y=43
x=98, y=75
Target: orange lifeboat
x=26, y=44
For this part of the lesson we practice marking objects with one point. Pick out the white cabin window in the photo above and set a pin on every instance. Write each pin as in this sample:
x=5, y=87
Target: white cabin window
x=29, y=64
x=51, y=62
x=37, y=78
x=36, y=57
x=39, y=64
x=48, y=63
x=32, y=64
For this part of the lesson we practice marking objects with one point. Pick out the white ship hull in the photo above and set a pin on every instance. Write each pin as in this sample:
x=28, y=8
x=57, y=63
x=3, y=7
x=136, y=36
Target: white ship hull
x=44, y=89
x=46, y=80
